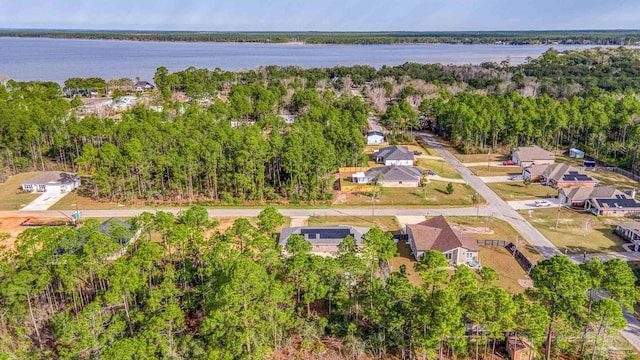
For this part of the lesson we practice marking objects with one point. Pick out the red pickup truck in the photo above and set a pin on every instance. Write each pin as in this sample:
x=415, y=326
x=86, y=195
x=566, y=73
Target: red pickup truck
x=508, y=162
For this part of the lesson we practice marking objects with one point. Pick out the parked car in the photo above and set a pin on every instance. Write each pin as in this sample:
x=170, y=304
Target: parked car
x=541, y=203
x=508, y=162
x=431, y=173
x=416, y=152
x=516, y=177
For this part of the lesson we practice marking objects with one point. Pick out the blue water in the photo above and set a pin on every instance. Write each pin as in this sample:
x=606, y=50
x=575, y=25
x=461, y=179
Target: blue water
x=59, y=59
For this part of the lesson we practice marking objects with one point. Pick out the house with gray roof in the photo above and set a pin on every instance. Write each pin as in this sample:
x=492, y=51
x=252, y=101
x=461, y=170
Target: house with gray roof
x=576, y=197
x=629, y=231
x=143, y=85
x=532, y=155
x=324, y=239
x=52, y=181
x=617, y=205
x=559, y=176
x=394, y=155
x=390, y=176
x=437, y=234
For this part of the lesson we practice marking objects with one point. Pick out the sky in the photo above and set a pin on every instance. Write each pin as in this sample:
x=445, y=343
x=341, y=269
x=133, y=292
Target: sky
x=321, y=15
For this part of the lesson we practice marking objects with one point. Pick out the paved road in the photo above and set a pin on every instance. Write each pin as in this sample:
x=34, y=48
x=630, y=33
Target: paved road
x=238, y=212
x=498, y=207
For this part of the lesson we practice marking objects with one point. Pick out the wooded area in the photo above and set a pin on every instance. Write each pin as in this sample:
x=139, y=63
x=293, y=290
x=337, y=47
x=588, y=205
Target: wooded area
x=599, y=37
x=186, y=290
x=191, y=151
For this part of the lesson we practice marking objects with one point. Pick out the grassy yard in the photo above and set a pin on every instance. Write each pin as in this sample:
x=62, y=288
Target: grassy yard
x=495, y=170
x=609, y=178
x=13, y=198
x=516, y=190
x=86, y=203
x=405, y=258
x=435, y=196
x=577, y=232
x=387, y=223
x=441, y=168
x=510, y=271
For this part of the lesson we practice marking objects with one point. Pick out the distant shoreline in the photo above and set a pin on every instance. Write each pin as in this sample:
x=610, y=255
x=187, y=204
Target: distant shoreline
x=543, y=38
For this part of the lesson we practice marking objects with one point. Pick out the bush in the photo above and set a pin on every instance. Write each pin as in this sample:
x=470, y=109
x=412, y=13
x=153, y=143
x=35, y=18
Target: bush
x=449, y=188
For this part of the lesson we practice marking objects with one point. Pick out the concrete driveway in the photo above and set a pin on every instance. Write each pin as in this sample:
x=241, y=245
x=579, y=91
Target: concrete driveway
x=496, y=179
x=530, y=204
x=44, y=201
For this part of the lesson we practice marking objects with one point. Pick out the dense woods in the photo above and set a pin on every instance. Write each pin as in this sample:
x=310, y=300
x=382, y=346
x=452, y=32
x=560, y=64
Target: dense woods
x=187, y=290
x=600, y=37
x=228, y=144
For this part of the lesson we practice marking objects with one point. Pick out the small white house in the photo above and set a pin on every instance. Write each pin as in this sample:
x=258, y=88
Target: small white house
x=394, y=155
x=375, y=138
x=52, y=181
x=576, y=153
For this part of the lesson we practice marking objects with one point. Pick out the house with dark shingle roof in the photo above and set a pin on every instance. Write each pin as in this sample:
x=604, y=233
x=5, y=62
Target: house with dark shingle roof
x=143, y=85
x=324, y=239
x=532, y=155
x=390, y=176
x=394, y=155
x=437, y=234
x=630, y=231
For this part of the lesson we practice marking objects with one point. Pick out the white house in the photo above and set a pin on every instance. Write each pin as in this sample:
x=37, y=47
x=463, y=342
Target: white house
x=394, y=155
x=390, y=176
x=324, y=239
x=52, y=181
x=143, y=85
x=375, y=138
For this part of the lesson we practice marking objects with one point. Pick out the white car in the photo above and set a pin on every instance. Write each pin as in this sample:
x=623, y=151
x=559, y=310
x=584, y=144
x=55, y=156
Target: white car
x=541, y=203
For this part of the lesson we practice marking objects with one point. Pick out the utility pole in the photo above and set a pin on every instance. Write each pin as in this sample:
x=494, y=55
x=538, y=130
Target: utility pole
x=475, y=200
x=373, y=207
x=558, y=217
x=489, y=159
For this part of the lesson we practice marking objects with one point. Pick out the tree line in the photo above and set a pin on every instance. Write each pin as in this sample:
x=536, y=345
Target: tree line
x=187, y=290
x=589, y=37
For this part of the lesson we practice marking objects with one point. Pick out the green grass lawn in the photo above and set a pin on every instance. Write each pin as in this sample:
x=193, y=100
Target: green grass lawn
x=576, y=232
x=495, y=170
x=516, y=190
x=387, y=223
x=435, y=196
x=13, y=198
x=441, y=168
x=609, y=178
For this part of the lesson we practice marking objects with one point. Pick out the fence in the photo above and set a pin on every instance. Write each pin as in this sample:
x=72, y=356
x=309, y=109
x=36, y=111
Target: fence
x=517, y=254
x=626, y=173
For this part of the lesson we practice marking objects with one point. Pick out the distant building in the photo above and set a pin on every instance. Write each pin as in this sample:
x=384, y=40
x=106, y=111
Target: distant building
x=530, y=155
x=558, y=176
x=394, y=155
x=437, y=234
x=118, y=230
x=576, y=153
x=52, y=181
x=143, y=86
x=375, y=138
x=390, y=176
x=324, y=239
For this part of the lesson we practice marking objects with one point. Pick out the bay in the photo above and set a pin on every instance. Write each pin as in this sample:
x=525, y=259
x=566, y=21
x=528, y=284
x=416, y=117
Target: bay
x=24, y=59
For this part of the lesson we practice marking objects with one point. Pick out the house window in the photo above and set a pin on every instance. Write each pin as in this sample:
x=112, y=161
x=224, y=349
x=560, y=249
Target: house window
x=400, y=182
x=469, y=255
x=448, y=255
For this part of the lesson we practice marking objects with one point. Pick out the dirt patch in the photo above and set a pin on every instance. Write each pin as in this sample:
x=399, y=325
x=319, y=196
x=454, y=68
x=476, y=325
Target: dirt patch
x=11, y=225
x=472, y=230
